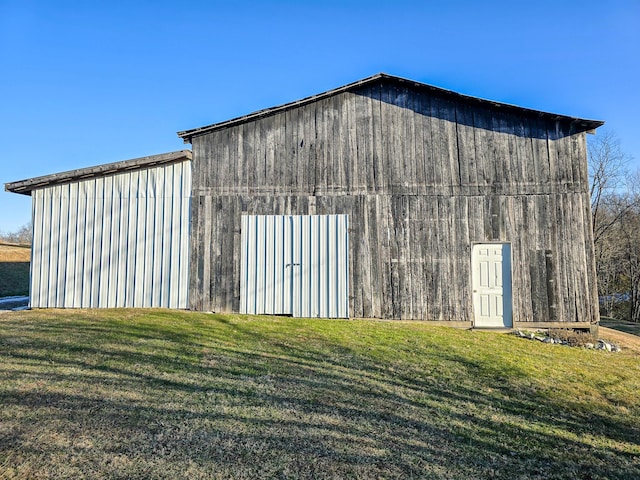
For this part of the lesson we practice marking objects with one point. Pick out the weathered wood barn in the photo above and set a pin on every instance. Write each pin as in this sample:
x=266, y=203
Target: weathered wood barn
x=459, y=210
x=383, y=198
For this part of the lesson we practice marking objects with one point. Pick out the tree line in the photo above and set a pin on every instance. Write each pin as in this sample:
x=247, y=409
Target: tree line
x=615, y=212
x=21, y=236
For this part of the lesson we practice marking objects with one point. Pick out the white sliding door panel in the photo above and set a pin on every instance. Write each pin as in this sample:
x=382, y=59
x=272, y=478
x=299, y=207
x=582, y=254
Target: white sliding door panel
x=295, y=265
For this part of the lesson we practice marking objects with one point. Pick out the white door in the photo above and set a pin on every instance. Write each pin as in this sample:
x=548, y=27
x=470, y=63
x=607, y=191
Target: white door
x=295, y=265
x=491, y=271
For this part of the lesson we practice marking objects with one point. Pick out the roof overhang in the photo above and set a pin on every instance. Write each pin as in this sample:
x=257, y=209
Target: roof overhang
x=25, y=187
x=580, y=123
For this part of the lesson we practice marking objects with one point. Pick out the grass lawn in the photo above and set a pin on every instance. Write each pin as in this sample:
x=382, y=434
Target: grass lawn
x=14, y=270
x=164, y=394
x=621, y=325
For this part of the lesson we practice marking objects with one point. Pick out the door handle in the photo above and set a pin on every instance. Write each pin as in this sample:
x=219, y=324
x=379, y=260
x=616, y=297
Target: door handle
x=292, y=265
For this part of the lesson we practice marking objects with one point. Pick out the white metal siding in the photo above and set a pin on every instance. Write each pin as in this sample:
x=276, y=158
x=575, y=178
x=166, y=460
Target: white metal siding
x=114, y=241
x=295, y=264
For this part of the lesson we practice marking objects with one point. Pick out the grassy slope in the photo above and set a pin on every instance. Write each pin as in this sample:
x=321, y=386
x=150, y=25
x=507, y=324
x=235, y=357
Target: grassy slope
x=621, y=325
x=158, y=394
x=14, y=270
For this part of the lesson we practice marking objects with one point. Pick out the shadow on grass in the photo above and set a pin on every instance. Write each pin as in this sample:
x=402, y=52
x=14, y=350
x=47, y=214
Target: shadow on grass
x=230, y=399
x=14, y=278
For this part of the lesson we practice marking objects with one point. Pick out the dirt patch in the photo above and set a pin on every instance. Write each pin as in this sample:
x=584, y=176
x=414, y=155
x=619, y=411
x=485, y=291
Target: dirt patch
x=626, y=340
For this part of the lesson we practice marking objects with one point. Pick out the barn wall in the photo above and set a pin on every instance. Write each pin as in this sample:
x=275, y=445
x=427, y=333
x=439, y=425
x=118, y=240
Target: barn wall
x=397, y=143
x=113, y=241
x=422, y=178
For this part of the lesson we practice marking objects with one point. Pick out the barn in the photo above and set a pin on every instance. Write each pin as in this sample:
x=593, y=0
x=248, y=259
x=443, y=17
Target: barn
x=394, y=199
x=383, y=198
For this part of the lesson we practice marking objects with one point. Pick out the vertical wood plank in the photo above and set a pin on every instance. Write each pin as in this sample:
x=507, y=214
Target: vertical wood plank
x=441, y=167
x=348, y=138
x=210, y=243
x=416, y=265
x=417, y=142
x=320, y=148
x=448, y=143
x=364, y=143
x=466, y=149
x=379, y=172
x=483, y=148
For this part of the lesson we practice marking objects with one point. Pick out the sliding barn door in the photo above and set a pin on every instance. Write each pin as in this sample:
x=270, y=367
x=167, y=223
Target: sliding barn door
x=295, y=265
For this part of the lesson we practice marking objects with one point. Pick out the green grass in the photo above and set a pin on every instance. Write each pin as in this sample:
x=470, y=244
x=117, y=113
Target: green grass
x=160, y=394
x=621, y=325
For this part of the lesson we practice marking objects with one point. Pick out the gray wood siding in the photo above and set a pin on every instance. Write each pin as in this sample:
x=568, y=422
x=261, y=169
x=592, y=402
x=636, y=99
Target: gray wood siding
x=422, y=178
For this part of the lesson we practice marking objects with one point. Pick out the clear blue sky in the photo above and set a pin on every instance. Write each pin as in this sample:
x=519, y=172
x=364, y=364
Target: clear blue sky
x=90, y=82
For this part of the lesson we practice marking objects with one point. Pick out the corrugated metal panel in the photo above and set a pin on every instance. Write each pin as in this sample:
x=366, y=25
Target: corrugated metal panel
x=295, y=265
x=114, y=241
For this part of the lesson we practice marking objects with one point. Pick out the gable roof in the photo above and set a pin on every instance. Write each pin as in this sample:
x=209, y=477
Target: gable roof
x=582, y=124
x=25, y=187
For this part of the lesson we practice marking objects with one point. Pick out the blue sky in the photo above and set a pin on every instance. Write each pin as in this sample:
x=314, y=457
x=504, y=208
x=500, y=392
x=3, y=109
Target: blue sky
x=85, y=83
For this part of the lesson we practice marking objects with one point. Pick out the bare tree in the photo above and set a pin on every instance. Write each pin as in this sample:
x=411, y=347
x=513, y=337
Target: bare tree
x=22, y=235
x=608, y=166
x=631, y=235
x=615, y=209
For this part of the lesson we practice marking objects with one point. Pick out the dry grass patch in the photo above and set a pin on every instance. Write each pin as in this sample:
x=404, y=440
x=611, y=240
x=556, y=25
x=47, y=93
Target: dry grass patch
x=15, y=253
x=162, y=394
x=575, y=338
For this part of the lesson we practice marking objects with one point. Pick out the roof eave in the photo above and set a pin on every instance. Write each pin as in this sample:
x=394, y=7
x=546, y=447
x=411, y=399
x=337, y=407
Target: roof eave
x=25, y=187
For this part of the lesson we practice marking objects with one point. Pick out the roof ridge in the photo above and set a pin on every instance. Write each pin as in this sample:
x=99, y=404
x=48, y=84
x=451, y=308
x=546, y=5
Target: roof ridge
x=187, y=135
